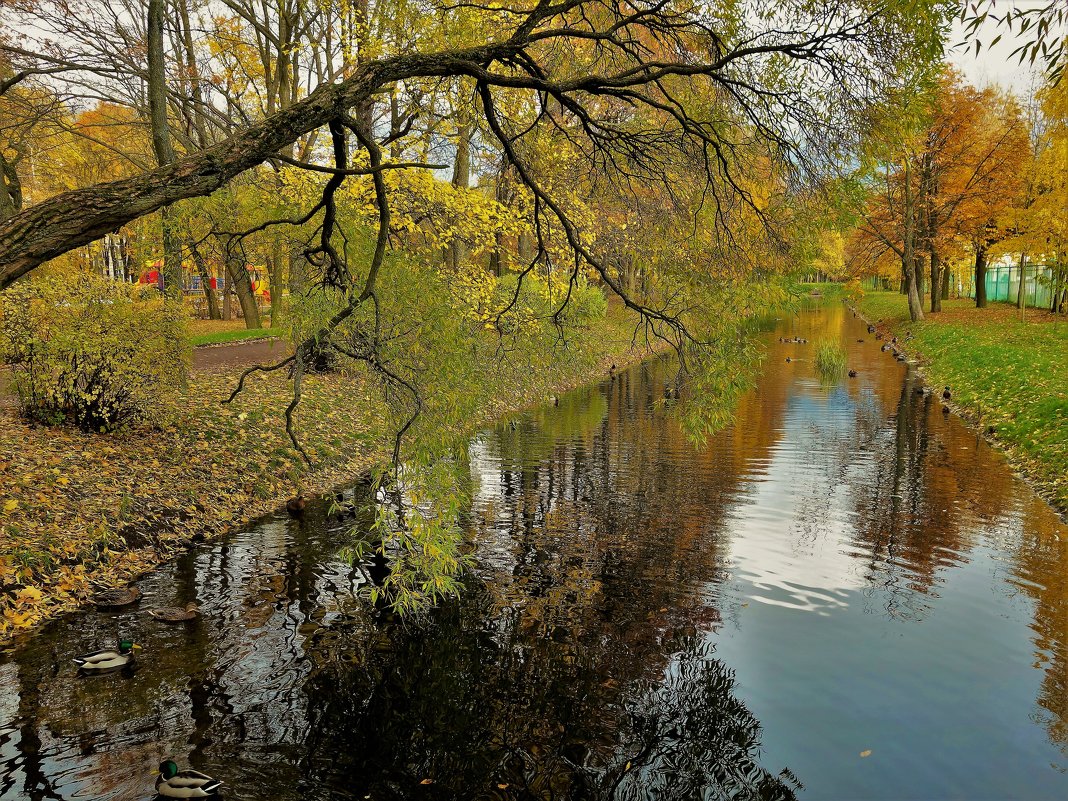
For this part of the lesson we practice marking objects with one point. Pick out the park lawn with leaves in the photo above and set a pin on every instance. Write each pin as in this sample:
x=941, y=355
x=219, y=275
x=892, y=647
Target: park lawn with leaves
x=209, y=335
x=1005, y=373
x=81, y=512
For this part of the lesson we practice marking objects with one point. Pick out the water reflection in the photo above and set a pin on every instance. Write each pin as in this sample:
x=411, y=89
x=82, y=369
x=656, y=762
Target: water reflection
x=841, y=570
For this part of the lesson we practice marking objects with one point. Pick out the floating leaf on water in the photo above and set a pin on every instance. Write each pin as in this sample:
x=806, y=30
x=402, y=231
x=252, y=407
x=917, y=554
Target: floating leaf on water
x=866, y=753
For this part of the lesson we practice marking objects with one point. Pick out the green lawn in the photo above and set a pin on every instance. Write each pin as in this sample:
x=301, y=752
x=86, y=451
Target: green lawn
x=233, y=335
x=1005, y=373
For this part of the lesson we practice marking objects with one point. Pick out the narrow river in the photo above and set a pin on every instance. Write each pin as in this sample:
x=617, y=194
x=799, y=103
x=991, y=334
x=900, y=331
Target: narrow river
x=843, y=595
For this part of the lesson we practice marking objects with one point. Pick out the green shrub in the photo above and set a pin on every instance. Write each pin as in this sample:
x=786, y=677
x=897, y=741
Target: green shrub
x=537, y=302
x=90, y=351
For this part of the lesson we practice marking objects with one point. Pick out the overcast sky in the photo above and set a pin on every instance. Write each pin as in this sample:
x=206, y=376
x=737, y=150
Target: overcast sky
x=994, y=65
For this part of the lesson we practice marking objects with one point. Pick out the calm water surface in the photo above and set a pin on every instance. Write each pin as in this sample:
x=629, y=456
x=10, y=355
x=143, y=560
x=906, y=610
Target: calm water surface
x=842, y=571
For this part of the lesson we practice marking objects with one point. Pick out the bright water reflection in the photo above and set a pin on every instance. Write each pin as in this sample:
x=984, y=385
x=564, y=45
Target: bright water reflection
x=842, y=570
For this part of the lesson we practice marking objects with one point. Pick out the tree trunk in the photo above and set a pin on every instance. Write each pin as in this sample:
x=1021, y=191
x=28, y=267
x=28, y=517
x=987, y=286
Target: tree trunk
x=910, y=265
x=10, y=189
x=228, y=292
x=945, y=283
x=298, y=267
x=980, y=276
x=210, y=294
x=242, y=284
x=161, y=144
x=274, y=277
x=936, y=281
x=915, y=300
x=68, y=221
x=1021, y=299
x=525, y=249
x=461, y=179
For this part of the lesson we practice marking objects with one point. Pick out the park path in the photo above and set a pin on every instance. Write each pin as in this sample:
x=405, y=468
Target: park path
x=239, y=354
x=207, y=357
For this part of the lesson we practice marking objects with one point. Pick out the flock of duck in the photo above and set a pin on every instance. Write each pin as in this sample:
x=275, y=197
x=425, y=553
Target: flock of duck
x=889, y=346
x=171, y=782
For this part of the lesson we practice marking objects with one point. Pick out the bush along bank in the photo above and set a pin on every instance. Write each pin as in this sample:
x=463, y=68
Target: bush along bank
x=1008, y=377
x=82, y=511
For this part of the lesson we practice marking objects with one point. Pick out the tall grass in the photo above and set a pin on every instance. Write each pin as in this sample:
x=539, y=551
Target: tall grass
x=830, y=358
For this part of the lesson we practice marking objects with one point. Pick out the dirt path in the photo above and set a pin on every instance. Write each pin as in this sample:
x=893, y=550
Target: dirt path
x=208, y=357
x=239, y=354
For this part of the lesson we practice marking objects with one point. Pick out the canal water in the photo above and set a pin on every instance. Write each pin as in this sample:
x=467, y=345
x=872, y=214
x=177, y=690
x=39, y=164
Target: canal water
x=843, y=595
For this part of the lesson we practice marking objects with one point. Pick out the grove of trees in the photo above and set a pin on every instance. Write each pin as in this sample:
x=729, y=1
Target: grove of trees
x=961, y=174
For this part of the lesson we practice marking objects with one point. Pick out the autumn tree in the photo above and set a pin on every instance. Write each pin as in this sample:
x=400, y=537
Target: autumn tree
x=943, y=185
x=976, y=148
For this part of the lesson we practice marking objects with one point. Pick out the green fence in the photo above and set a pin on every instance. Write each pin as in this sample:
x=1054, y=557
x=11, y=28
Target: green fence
x=1003, y=283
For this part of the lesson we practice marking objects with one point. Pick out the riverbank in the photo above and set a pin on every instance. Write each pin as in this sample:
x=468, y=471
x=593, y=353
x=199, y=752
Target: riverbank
x=1008, y=377
x=81, y=512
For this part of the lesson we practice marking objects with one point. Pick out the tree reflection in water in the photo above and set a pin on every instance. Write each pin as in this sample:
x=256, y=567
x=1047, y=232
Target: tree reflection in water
x=482, y=710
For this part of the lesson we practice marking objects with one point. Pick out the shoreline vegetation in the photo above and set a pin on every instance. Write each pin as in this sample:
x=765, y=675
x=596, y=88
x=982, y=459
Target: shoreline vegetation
x=1007, y=377
x=82, y=512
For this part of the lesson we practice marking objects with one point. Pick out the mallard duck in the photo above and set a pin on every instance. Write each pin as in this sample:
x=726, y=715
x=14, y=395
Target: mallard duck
x=296, y=506
x=174, y=783
x=788, y=359
x=946, y=394
x=114, y=599
x=852, y=373
x=342, y=508
x=175, y=614
x=871, y=329
x=107, y=660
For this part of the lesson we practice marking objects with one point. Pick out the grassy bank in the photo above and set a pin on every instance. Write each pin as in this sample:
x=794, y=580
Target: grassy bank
x=1009, y=377
x=80, y=511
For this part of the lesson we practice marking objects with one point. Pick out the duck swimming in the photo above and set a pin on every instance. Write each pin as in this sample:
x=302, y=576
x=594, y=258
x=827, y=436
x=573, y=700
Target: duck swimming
x=107, y=660
x=174, y=783
x=114, y=599
x=296, y=506
x=175, y=614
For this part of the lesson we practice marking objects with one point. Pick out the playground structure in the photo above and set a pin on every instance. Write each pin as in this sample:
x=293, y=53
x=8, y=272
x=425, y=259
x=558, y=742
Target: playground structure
x=193, y=285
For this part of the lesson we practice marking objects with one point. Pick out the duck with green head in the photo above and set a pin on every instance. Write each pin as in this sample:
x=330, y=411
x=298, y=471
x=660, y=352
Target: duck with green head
x=174, y=783
x=107, y=660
